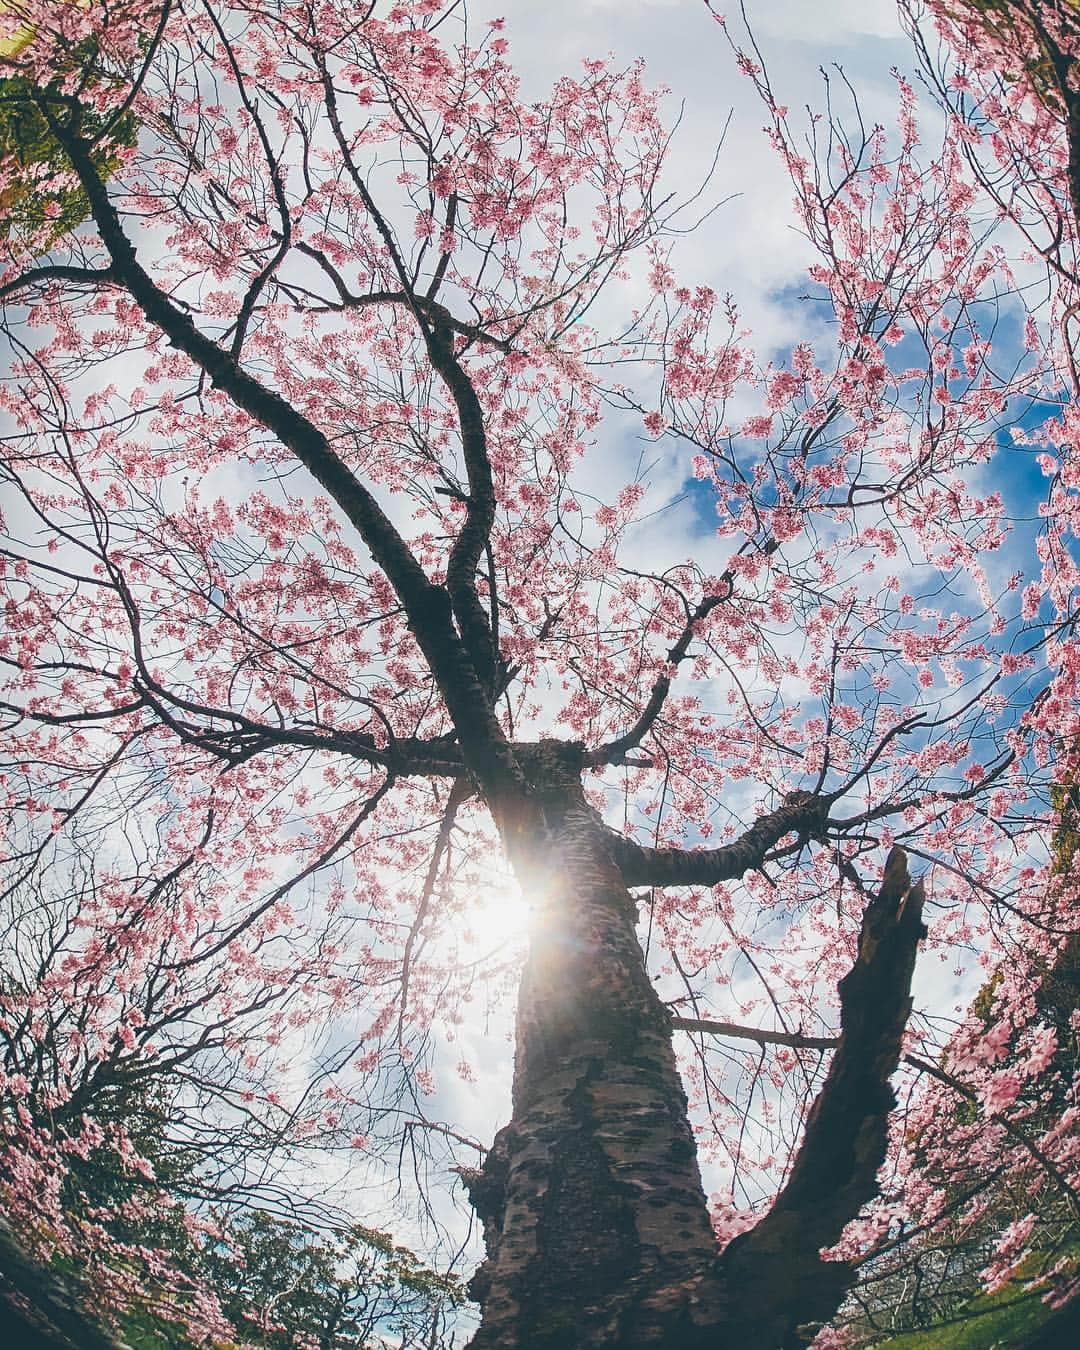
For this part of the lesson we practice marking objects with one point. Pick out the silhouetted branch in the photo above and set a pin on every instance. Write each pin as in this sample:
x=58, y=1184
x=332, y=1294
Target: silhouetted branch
x=802, y=813
x=775, y=1272
x=614, y=752
x=795, y=1039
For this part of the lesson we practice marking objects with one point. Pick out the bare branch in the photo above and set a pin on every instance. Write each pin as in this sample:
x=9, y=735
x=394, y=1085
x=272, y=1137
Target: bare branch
x=795, y=1039
x=802, y=812
x=480, y=505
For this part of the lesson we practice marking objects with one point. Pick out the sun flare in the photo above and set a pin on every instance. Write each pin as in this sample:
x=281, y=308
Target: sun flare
x=499, y=914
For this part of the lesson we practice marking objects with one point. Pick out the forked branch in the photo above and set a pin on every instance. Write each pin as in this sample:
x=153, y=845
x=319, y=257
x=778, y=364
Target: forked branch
x=614, y=752
x=427, y=606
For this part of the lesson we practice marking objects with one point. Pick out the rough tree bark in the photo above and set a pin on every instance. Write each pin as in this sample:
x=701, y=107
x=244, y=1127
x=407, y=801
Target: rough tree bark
x=591, y=1198
x=594, y=1214
x=595, y=1219
x=781, y=1280
x=40, y=1309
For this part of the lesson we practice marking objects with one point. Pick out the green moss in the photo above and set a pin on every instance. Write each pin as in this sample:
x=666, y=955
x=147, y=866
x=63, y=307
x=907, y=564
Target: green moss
x=1012, y=1317
x=1002, y=1323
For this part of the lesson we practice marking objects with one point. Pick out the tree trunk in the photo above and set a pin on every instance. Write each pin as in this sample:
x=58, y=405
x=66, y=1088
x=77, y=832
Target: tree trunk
x=594, y=1214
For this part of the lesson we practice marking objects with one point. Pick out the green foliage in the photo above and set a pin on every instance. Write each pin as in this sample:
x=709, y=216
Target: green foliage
x=141, y=1107
x=282, y=1285
x=1001, y=1319
x=1015, y=27
x=279, y=1282
x=37, y=203
x=935, y=1289
x=1011, y=1317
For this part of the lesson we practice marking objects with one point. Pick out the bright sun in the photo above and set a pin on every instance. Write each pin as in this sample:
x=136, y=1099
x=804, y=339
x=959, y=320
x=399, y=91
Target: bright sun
x=498, y=914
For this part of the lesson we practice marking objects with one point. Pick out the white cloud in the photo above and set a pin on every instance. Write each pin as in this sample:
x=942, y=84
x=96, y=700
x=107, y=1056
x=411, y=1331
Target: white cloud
x=847, y=22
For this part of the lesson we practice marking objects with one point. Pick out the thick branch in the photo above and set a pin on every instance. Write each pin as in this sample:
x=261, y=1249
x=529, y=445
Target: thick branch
x=777, y=1277
x=39, y=1308
x=802, y=812
x=234, y=737
x=488, y=754
x=73, y=276
x=480, y=504
x=475, y=533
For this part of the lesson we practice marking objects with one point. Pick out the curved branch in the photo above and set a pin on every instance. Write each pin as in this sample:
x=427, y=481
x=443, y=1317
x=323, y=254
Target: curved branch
x=242, y=925
x=431, y=309
x=74, y=276
x=427, y=606
x=469, y=546
x=458, y=793
x=614, y=752
x=775, y=1272
x=801, y=812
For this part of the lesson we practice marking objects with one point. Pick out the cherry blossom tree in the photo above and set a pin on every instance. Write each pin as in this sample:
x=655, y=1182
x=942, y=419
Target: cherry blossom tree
x=1003, y=80
x=318, y=633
